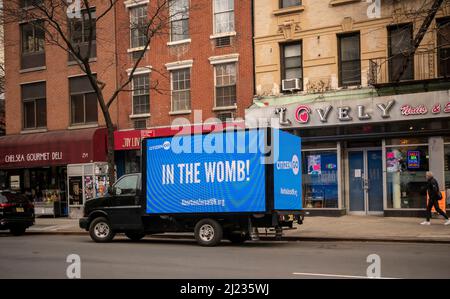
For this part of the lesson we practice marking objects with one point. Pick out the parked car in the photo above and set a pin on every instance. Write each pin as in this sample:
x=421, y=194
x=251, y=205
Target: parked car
x=16, y=212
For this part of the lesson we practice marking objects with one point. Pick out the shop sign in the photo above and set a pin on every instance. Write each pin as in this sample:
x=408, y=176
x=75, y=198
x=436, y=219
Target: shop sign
x=377, y=109
x=130, y=140
x=34, y=157
x=413, y=159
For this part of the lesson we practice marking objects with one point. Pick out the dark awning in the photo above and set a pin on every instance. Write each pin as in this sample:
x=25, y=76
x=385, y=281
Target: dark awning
x=53, y=148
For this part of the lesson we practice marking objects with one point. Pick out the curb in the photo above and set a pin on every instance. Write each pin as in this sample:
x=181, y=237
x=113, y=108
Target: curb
x=267, y=238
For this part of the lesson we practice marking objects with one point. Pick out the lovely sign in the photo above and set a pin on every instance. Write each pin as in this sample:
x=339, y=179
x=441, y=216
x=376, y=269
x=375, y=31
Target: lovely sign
x=368, y=110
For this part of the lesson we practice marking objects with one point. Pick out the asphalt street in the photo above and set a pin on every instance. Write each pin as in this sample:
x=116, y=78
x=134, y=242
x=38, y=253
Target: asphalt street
x=44, y=256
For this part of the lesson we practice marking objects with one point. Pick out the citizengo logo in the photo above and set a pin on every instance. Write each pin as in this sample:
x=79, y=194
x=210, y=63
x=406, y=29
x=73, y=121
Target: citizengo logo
x=293, y=164
x=165, y=146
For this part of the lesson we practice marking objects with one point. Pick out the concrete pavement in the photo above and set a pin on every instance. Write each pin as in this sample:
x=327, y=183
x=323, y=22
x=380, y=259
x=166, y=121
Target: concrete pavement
x=346, y=228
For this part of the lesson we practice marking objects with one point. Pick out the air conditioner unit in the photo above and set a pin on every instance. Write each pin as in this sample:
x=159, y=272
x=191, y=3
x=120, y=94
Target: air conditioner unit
x=291, y=84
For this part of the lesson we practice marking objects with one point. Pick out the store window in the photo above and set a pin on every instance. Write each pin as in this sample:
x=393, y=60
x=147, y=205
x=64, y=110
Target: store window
x=320, y=179
x=83, y=101
x=447, y=173
x=406, y=167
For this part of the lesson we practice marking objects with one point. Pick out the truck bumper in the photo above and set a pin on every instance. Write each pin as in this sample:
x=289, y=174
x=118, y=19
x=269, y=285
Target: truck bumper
x=84, y=223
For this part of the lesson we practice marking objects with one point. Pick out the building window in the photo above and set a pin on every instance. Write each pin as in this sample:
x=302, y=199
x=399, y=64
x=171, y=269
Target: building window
x=406, y=166
x=141, y=94
x=179, y=20
x=400, y=45
x=181, y=89
x=320, y=179
x=34, y=105
x=290, y=3
x=443, y=43
x=291, y=61
x=32, y=45
x=223, y=16
x=83, y=101
x=225, y=85
x=79, y=34
x=349, y=60
x=138, y=26
x=29, y=3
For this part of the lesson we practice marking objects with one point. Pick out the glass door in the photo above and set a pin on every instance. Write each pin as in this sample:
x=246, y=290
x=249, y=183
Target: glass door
x=365, y=181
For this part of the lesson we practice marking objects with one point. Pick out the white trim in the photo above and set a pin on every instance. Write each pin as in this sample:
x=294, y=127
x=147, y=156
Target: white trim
x=180, y=112
x=33, y=69
x=177, y=65
x=131, y=50
x=224, y=59
x=144, y=115
x=225, y=34
x=179, y=42
x=224, y=108
x=33, y=131
x=132, y=3
x=82, y=126
x=140, y=70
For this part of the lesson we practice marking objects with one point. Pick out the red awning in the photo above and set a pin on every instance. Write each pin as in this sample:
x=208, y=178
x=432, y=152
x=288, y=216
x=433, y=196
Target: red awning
x=53, y=148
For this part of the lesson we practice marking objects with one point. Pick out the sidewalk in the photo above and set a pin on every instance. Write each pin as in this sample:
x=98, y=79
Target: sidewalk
x=346, y=228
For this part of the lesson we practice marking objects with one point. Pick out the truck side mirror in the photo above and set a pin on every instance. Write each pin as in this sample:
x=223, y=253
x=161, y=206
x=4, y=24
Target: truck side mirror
x=111, y=190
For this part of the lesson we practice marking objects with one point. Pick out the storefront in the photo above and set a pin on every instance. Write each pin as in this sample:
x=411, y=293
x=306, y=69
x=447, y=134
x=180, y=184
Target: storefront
x=41, y=165
x=368, y=156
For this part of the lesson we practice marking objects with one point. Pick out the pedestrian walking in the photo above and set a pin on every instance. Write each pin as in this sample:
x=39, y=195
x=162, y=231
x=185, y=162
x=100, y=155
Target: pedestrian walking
x=434, y=195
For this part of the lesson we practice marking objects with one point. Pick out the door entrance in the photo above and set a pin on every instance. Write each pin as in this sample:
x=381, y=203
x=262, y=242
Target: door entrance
x=365, y=181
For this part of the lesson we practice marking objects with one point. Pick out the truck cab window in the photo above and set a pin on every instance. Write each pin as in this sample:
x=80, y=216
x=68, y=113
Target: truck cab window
x=126, y=185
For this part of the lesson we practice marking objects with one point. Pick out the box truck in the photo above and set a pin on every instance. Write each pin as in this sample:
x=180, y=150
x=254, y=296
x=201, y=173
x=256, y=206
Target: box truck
x=219, y=185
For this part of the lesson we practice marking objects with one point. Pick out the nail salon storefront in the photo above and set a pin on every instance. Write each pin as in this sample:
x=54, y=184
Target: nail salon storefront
x=368, y=156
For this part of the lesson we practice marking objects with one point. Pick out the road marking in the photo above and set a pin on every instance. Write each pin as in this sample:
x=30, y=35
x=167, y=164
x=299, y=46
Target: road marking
x=340, y=276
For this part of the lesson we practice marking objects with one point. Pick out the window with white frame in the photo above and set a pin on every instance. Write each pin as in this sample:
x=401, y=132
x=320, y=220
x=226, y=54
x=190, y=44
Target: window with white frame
x=223, y=16
x=141, y=94
x=138, y=26
x=181, y=89
x=225, y=84
x=179, y=20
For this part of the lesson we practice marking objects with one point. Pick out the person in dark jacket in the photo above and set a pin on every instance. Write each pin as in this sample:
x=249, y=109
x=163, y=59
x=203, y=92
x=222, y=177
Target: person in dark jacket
x=434, y=195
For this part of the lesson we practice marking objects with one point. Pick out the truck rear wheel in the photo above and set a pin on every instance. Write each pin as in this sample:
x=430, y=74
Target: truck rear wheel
x=208, y=232
x=100, y=230
x=134, y=236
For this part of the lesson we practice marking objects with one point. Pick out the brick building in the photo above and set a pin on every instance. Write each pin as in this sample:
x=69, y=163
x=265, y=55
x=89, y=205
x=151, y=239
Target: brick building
x=56, y=138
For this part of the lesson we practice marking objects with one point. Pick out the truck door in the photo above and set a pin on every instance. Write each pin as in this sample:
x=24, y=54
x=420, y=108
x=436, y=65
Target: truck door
x=125, y=210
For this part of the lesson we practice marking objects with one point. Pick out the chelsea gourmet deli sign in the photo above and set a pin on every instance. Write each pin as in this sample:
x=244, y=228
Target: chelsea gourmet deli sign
x=377, y=109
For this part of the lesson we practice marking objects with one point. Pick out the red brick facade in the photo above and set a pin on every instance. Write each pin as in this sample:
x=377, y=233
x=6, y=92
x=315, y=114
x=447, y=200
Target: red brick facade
x=113, y=41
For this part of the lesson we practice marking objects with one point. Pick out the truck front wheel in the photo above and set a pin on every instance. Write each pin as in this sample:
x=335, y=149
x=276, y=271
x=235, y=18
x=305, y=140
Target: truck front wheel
x=101, y=231
x=208, y=232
